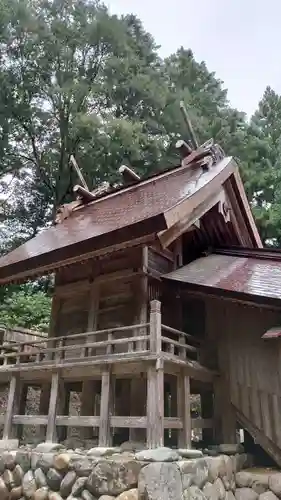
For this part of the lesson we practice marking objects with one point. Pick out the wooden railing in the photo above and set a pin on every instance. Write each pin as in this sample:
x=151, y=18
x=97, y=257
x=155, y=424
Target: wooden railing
x=144, y=338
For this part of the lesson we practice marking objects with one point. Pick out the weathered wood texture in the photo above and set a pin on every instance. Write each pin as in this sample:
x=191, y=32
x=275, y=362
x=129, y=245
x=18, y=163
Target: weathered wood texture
x=249, y=388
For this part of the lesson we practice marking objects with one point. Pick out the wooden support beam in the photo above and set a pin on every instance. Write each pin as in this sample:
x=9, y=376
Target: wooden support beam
x=155, y=326
x=78, y=171
x=89, y=390
x=137, y=399
x=51, y=425
x=84, y=194
x=155, y=405
x=22, y=407
x=129, y=176
x=104, y=430
x=12, y=407
x=183, y=398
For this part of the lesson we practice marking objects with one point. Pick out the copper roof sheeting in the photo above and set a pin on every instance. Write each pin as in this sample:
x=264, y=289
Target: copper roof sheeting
x=130, y=213
x=256, y=277
x=272, y=333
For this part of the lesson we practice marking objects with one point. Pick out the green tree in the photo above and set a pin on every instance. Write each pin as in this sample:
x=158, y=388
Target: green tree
x=261, y=166
x=26, y=307
x=73, y=80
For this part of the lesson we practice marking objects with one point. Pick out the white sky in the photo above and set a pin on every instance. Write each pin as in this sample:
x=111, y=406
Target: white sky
x=238, y=39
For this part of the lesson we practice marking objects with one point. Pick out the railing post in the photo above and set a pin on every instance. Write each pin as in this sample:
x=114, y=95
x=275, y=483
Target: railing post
x=155, y=326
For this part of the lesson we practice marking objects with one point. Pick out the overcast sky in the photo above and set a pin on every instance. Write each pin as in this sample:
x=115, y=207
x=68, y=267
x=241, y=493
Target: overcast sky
x=238, y=39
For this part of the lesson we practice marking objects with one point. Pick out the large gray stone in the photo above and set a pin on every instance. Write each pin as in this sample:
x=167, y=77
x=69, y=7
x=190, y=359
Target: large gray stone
x=8, y=479
x=40, y=478
x=41, y=494
x=54, y=495
x=67, y=483
x=193, y=493
x=16, y=493
x=244, y=479
x=158, y=455
x=268, y=495
x=274, y=483
x=4, y=492
x=18, y=474
x=106, y=497
x=29, y=484
x=218, y=485
x=194, y=472
x=54, y=479
x=245, y=494
x=23, y=459
x=160, y=481
x=99, y=451
x=217, y=467
x=129, y=495
x=86, y=495
x=229, y=495
x=112, y=478
x=45, y=461
x=49, y=447
x=84, y=466
x=10, y=459
x=210, y=491
x=78, y=486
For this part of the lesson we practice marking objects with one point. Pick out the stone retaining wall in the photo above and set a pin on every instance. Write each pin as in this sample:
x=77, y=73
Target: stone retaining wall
x=49, y=472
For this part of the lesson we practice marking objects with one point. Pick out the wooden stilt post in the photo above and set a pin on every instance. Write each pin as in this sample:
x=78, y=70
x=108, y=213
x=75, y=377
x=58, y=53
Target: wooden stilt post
x=89, y=390
x=104, y=430
x=44, y=406
x=183, y=396
x=22, y=406
x=51, y=425
x=155, y=382
x=12, y=407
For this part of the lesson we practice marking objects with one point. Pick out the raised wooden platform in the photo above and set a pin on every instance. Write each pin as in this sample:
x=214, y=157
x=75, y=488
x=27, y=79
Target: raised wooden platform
x=146, y=354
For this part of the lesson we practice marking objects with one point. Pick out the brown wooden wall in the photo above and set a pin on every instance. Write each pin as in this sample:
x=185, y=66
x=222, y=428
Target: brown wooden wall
x=108, y=292
x=251, y=366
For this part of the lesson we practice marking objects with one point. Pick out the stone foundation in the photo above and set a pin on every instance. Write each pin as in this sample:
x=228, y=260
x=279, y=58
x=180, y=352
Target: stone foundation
x=51, y=472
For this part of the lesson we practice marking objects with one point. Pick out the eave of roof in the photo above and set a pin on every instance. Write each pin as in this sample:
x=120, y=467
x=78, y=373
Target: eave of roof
x=150, y=206
x=242, y=273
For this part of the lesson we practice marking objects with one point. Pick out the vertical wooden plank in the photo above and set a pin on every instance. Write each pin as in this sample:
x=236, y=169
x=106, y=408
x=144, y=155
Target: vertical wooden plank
x=89, y=391
x=155, y=405
x=155, y=326
x=104, y=430
x=183, y=397
x=150, y=408
x=22, y=407
x=12, y=407
x=93, y=313
x=207, y=411
x=51, y=424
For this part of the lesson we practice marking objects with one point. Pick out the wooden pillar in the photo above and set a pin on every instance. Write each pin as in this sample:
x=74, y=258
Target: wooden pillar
x=89, y=390
x=183, y=397
x=22, y=407
x=138, y=399
x=104, y=430
x=155, y=326
x=207, y=412
x=12, y=407
x=44, y=406
x=155, y=405
x=51, y=434
x=224, y=414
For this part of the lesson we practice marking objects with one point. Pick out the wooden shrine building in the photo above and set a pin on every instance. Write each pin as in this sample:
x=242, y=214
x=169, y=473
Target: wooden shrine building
x=162, y=290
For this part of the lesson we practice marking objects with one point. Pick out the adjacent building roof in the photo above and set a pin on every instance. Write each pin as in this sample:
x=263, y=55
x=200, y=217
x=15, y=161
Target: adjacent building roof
x=240, y=272
x=148, y=207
